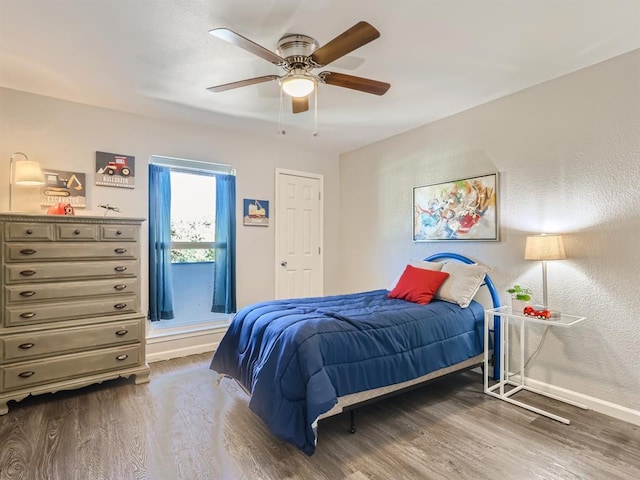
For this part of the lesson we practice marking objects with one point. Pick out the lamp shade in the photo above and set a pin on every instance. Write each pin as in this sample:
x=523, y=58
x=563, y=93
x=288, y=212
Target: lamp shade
x=28, y=172
x=544, y=247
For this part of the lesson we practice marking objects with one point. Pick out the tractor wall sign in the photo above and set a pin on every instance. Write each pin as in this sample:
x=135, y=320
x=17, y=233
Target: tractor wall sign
x=114, y=170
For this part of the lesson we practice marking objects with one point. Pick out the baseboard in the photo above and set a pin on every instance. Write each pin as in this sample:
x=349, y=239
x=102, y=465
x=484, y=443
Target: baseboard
x=175, y=345
x=596, y=404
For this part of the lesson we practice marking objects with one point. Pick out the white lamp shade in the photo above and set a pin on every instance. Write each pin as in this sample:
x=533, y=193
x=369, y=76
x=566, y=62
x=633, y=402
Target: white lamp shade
x=298, y=85
x=544, y=247
x=28, y=172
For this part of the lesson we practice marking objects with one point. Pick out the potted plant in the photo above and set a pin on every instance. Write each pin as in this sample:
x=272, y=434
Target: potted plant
x=520, y=297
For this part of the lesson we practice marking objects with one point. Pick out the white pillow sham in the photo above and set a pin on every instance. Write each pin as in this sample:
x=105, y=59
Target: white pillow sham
x=436, y=266
x=462, y=284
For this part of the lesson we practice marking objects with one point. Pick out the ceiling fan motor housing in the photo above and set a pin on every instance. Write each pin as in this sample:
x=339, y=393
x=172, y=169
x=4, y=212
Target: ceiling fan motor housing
x=296, y=50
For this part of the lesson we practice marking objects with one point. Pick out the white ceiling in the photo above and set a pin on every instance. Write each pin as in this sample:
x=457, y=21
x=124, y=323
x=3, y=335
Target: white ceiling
x=155, y=57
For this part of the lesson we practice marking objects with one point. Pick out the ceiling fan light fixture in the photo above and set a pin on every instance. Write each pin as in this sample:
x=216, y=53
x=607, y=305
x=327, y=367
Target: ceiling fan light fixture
x=298, y=85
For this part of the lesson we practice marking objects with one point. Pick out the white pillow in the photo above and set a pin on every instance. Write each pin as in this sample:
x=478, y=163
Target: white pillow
x=436, y=266
x=463, y=282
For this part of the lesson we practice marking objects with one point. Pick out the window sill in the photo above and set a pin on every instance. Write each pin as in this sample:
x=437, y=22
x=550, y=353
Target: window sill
x=166, y=328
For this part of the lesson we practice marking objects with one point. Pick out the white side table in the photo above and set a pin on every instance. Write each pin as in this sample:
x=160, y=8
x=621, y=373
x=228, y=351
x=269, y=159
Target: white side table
x=505, y=388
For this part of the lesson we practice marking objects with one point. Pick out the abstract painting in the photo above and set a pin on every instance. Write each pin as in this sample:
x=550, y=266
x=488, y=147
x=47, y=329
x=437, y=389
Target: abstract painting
x=465, y=209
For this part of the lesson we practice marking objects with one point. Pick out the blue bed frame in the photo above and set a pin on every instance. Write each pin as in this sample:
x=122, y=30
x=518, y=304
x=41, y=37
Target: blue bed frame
x=494, y=299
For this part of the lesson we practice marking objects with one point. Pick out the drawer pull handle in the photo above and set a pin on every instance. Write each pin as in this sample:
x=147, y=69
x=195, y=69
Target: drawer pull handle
x=27, y=315
x=27, y=273
x=119, y=287
x=26, y=374
x=27, y=251
x=29, y=232
x=120, y=269
x=118, y=232
x=76, y=232
x=122, y=357
x=122, y=333
x=120, y=250
x=27, y=293
x=119, y=306
x=26, y=346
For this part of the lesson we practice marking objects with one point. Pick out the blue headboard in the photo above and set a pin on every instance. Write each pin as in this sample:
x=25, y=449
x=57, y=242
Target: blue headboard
x=494, y=299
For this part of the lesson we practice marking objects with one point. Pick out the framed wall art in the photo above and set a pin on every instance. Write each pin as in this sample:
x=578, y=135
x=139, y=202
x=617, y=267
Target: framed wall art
x=465, y=209
x=256, y=212
x=60, y=186
x=115, y=170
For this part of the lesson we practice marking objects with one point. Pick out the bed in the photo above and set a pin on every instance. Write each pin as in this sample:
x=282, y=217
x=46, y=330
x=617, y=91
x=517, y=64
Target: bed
x=301, y=360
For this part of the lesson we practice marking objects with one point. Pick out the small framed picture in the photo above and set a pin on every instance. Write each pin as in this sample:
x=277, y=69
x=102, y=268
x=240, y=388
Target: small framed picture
x=256, y=212
x=66, y=187
x=115, y=170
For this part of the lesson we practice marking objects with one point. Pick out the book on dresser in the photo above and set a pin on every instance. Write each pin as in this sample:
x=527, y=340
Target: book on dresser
x=70, y=303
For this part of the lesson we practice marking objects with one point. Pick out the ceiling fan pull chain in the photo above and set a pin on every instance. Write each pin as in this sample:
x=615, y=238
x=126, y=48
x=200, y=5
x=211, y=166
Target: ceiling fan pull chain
x=281, y=130
x=315, y=110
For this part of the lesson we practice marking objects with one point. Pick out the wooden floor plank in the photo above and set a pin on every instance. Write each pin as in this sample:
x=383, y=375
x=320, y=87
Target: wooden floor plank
x=184, y=425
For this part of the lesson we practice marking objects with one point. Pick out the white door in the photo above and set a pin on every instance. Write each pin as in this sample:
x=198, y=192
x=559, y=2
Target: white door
x=298, y=234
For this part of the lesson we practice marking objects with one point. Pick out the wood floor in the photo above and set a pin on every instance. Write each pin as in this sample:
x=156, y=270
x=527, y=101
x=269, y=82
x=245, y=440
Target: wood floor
x=184, y=426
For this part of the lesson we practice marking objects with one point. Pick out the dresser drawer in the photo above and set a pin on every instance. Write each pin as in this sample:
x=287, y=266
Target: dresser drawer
x=119, y=232
x=28, y=231
x=65, y=367
x=33, y=272
x=65, y=340
x=29, y=252
x=77, y=232
x=46, y=313
x=36, y=292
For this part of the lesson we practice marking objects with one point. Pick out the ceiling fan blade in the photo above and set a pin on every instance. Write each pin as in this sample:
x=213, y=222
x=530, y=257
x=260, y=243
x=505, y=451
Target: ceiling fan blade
x=357, y=36
x=250, y=46
x=355, y=83
x=300, y=104
x=242, y=83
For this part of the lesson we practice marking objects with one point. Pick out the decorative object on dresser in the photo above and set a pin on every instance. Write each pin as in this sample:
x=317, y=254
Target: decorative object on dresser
x=61, y=209
x=70, y=303
x=544, y=247
x=23, y=172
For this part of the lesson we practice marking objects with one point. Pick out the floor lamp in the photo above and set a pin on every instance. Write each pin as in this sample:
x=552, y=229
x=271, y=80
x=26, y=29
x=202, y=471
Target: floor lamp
x=23, y=172
x=544, y=247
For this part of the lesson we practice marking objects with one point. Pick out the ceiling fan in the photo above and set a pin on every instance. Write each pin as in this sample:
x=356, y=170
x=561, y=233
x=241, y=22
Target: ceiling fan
x=298, y=55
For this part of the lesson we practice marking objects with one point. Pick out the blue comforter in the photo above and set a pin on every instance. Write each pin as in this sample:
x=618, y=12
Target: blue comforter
x=297, y=356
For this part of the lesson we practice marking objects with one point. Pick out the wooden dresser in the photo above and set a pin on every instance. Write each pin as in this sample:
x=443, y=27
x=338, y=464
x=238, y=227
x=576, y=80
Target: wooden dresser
x=70, y=303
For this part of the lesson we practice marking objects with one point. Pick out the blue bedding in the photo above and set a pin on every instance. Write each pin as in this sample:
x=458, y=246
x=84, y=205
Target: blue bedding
x=297, y=356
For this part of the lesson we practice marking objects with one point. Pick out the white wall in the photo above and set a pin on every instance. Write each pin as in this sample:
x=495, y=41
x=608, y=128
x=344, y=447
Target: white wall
x=65, y=136
x=568, y=155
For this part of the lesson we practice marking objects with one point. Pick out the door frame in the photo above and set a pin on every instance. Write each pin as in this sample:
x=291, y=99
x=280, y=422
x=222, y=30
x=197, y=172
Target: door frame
x=297, y=173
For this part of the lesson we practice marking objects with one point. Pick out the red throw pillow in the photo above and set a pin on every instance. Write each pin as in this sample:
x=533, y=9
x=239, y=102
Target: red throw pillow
x=418, y=285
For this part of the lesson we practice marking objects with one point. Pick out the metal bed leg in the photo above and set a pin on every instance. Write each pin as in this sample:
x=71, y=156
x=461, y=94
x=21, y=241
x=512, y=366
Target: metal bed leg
x=352, y=420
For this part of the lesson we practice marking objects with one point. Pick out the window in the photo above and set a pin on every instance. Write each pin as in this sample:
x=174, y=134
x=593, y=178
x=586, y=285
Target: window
x=193, y=200
x=191, y=240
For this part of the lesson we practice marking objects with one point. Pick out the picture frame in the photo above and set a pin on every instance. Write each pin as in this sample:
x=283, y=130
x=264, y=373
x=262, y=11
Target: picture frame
x=115, y=170
x=255, y=212
x=457, y=210
x=63, y=186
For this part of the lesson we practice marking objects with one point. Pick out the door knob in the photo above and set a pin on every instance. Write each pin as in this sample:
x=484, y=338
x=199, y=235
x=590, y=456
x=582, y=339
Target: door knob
x=284, y=264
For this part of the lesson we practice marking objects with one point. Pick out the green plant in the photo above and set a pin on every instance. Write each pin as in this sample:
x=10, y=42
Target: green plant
x=520, y=293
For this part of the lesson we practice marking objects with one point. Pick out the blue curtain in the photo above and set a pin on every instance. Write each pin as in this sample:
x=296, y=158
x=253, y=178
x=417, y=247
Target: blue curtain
x=224, y=290
x=160, y=283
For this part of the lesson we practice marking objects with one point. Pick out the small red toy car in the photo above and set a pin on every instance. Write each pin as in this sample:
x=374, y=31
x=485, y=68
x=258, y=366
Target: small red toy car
x=532, y=312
